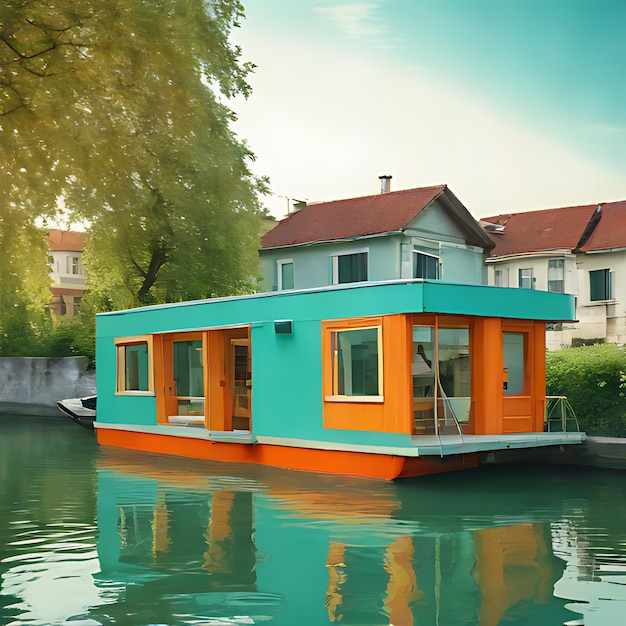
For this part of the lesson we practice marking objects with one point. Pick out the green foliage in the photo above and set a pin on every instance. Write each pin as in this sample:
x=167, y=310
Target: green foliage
x=70, y=338
x=119, y=107
x=24, y=284
x=594, y=380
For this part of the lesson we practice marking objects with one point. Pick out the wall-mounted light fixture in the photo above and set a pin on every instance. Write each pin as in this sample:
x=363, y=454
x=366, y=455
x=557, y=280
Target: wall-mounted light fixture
x=283, y=327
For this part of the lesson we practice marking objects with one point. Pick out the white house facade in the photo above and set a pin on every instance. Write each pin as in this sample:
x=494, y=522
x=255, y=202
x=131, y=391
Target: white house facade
x=65, y=257
x=577, y=250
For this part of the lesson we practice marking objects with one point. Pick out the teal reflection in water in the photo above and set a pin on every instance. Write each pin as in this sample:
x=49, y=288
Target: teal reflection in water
x=94, y=536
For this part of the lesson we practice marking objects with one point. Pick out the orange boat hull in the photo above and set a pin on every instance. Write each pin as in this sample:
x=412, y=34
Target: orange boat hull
x=366, y=465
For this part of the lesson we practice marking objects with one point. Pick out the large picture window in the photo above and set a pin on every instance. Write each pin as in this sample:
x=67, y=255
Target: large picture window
x=356, y=363
x=134, y=365
x=600, y=287
x=349, y=268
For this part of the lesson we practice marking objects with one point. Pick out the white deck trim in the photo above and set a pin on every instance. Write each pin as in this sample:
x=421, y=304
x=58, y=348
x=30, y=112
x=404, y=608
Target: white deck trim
x=190, y=431
x=423, y=445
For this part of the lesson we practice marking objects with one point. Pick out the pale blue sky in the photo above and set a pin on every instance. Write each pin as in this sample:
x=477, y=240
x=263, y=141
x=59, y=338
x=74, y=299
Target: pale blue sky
x=515, y=104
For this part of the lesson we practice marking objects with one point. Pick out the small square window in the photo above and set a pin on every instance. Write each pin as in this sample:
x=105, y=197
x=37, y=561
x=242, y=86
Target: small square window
x=600, y=285
x=134, y=365
x=425, y=265
x=349, y=268
x=526, y=280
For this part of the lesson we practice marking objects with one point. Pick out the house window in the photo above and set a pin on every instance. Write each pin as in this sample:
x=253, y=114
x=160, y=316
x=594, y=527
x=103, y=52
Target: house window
x=350, y=268
x=356, y=363
x=77, y=301
x=556, y=275
x=501, y=277
x=600, y=285
x=72, y=265
x=285, y=274
x=134, y=365
x=526, y=278
x=425, y=265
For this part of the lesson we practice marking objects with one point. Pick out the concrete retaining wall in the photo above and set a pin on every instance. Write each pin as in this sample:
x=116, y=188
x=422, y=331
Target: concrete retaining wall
x=32, y=385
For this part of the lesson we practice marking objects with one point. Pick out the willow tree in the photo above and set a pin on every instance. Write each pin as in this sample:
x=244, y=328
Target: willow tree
x=120, y=109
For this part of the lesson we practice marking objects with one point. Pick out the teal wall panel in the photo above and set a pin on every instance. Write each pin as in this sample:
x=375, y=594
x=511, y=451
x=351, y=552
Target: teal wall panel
x=112, y=408
x=287, y=383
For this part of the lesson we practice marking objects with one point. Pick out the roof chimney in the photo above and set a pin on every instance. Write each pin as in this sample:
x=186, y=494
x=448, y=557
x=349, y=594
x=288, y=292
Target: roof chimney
x=385, y=185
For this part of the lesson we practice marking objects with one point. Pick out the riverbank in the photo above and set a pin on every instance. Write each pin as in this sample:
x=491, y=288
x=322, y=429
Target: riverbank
x=602, y=452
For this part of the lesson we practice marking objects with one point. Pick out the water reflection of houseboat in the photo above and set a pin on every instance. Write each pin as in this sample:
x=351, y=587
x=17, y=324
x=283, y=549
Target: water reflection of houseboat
x=391, y=379
x=312, y=551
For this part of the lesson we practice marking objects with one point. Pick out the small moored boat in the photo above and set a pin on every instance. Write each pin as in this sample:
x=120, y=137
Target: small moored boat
x=81, y=410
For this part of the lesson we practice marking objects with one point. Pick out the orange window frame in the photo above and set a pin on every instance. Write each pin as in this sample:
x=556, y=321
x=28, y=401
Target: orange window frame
x=330, y=358
x=121, y=343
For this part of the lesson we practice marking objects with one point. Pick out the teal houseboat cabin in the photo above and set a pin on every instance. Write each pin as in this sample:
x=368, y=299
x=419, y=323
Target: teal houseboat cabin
x=378, y=379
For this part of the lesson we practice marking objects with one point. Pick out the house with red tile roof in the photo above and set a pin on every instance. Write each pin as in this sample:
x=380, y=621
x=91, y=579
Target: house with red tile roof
x=579, y=250
x=414, y=233
x=65, y=256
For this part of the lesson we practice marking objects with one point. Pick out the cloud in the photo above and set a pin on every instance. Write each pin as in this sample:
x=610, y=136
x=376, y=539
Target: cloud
x=356, y=20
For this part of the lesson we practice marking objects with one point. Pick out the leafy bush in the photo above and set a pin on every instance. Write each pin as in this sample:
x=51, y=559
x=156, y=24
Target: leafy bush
x=76, y=337
x=594, y=380
x=70, y=338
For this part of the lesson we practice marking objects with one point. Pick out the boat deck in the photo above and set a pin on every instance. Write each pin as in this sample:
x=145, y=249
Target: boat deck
x=420, y=445
x=445, y=445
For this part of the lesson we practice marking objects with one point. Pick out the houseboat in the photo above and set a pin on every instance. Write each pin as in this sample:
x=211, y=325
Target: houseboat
x=375, y=379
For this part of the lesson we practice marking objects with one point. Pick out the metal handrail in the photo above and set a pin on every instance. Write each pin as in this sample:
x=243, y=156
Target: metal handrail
x=559, y=410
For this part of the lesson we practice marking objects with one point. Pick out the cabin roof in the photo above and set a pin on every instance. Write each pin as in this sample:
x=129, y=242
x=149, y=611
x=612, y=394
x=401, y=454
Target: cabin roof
x=585, y=228
x=340, y=301
x=368, y=215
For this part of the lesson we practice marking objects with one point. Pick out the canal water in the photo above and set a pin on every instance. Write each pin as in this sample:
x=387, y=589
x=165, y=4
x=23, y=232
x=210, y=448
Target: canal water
x=94, y=536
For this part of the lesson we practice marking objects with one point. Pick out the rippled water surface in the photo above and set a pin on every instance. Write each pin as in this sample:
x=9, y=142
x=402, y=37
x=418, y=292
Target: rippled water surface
x=94, y=536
